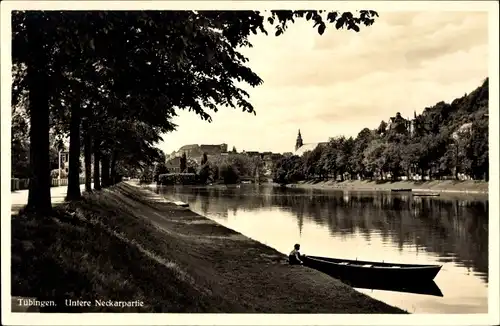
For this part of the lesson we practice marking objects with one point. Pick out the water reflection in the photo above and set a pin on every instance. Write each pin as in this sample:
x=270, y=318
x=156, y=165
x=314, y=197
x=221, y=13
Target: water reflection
x=451, y=230
x=428, y=288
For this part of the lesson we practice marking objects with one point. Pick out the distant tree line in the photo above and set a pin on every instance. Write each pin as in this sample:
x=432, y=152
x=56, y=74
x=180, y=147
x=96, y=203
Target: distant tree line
x=227, y=169
x=446, y=140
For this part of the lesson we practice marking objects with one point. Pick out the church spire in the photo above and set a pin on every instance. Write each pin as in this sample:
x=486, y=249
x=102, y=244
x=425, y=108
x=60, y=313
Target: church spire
x=299, y=142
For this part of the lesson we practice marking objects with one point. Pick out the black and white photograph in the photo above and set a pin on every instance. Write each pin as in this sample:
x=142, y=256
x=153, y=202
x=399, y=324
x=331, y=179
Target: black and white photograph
x=250, y=163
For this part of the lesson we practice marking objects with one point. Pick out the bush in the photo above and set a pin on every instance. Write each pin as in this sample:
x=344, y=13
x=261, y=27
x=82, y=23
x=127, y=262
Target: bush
x=229, y=174
x=177, y=179
x=54, y=174
x=204, y=174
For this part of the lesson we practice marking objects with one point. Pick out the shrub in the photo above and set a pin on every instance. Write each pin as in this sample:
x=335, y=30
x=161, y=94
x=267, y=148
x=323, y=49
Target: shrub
x=54, y=174
x=177, y=179
x=229, y=174
x=204, y=174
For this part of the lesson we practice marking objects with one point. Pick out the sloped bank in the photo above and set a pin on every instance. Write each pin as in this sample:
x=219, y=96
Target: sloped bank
x=129, y=244
x=443, y=186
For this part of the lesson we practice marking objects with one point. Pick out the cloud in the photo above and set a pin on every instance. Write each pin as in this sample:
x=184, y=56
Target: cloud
x=344, y=81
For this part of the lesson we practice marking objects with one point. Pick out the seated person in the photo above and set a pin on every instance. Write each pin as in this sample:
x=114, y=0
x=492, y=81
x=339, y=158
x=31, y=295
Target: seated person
x=295, y=257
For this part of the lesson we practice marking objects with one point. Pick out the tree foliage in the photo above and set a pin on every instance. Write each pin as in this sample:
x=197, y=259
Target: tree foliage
x=445, y=140
x=113, y=80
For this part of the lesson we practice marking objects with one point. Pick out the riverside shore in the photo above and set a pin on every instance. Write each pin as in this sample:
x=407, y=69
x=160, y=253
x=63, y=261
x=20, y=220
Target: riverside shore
x=129, y=244
x=444, y=186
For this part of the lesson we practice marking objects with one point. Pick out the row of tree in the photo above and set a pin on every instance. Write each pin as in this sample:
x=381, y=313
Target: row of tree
x=229, y=169
x=112, y=81
x=445, y=140
x=232, y=169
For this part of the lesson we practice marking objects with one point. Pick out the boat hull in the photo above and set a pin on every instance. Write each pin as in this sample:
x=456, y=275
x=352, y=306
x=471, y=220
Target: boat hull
x=372, y=271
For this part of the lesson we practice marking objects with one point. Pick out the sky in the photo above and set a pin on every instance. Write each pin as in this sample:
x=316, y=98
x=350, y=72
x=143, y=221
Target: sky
x=343, y=81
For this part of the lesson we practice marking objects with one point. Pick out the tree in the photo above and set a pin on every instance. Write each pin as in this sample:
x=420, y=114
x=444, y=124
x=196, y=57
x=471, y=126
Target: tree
x=154, y=63
x=329, y=158
x=289, y=170
x=38, y=82
x=478, y=152
x=361, y=142
x=183, y=163
x=159, y=168
x=19, y=144
x=204, y=160
x=382, y=128
x=374, y=160
x=229, y=174
x=204, y=173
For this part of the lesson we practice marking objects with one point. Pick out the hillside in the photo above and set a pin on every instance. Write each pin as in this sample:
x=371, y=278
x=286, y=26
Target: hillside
x=447, y=140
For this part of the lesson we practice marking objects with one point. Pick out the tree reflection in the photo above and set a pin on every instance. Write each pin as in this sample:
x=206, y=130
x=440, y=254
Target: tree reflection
x=454, y=228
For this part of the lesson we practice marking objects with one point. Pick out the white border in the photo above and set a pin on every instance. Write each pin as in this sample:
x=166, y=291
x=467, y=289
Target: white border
x=492, y=318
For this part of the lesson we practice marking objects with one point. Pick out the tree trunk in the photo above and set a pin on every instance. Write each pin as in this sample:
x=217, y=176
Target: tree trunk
x=113, y=168
x=97, y=159
x=74, y=154
x=39, y=199
x=105, y=170
x=87, y=152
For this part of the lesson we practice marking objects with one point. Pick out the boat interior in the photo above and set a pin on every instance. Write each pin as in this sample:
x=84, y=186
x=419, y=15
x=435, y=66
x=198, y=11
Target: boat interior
x=367, y=264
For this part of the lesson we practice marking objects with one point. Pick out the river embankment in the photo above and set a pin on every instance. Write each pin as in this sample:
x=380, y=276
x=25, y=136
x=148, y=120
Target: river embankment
x=442, y=186
x=128, y=244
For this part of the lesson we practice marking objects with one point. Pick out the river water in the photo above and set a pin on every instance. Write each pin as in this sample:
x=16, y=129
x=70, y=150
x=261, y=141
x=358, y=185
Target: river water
x=451, y=230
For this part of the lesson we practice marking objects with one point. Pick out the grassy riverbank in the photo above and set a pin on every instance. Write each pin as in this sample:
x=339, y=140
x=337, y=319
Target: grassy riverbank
x=450, y=186
x=124, y=243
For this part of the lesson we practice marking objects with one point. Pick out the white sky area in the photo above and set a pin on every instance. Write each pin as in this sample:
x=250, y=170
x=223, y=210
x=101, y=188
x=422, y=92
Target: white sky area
x=340, y=82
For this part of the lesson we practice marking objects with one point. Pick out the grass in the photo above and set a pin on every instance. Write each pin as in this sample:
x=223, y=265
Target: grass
x=124, y=244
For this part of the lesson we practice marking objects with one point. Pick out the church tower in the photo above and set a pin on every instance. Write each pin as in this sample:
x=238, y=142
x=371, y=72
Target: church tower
x=299, y=143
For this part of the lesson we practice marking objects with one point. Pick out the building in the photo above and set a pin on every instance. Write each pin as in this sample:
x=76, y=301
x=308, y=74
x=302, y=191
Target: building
x=407, y=125
x=252, y=153
x=195, y=152
x=301, y=148
x=174, y=165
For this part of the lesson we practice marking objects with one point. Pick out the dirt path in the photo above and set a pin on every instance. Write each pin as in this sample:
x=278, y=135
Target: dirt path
x=19, y=198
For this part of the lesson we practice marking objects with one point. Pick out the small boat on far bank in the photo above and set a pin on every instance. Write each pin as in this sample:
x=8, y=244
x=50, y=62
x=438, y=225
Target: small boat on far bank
x=181, y=203
x=401, y=190
x=372, y=271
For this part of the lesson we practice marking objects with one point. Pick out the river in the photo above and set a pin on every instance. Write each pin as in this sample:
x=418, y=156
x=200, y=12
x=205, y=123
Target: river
x=451, y=230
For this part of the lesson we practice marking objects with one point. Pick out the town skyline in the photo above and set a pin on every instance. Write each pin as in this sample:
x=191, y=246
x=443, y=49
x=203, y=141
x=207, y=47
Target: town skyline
x=405, y=62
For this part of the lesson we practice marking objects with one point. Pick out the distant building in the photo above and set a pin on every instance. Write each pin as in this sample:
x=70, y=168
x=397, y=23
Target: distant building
x=398, y=120
x=195, y=151
x=301, y=148
x=174, y=165
x=251, y=153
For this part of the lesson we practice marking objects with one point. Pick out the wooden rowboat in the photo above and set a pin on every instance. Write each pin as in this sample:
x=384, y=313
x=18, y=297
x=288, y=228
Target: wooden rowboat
x=401, y=190
x=368, y=270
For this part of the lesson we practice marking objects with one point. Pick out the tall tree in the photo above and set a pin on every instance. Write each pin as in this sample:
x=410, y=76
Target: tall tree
x=32, y=43
x=192, y=58
x=183, y=163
